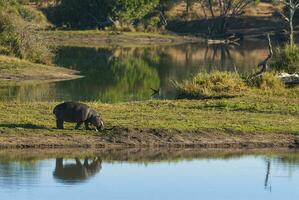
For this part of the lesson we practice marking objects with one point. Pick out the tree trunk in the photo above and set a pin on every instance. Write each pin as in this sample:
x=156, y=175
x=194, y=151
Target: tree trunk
x=292, y=12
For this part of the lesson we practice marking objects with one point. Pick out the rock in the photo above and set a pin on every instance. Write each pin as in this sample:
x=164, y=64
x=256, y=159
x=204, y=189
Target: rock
x=289, y=78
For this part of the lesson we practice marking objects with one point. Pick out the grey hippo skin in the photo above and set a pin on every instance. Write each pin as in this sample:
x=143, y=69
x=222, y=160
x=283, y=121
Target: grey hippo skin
x=77, y=113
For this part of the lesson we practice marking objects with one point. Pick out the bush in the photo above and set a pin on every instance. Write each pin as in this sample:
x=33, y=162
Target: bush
x=17, y=35
x=269, y=81
x=286, y=59
x=34, y=16
x=226, y=84
x=212, y=85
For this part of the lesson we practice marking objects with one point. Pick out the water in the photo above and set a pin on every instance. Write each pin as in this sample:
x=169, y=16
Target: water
x=119, y=74
x=156, y=175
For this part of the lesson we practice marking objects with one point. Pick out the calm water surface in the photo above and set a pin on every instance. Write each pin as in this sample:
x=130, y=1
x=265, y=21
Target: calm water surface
x=205, y=176
x=120, y=74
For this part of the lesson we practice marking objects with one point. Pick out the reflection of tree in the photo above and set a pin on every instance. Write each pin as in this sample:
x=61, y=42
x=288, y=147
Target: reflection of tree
x=27, y=91
x=109, y=77
x=290, y=161
x=221, y=53
x=77, y=172
x=18, y=172
x=133, y=77
x=267, y=175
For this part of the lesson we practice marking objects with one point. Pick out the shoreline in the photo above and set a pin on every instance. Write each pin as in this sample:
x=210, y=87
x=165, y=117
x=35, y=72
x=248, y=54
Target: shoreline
x=114, y=38
x=149, y=138
x=16, y=70
x=139, y=154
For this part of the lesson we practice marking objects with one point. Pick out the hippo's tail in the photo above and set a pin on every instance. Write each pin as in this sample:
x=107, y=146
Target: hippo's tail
x=55, y=110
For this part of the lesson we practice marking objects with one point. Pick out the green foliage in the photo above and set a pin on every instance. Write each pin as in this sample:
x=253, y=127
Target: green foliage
x=149, y=23
x=286, y=59
x=89, y=14
x=128, y=10
x=216, y=84
x=17, y=35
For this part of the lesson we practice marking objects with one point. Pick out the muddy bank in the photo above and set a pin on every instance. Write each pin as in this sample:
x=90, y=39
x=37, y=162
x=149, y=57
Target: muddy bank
x=138, y=154
x=121, y=137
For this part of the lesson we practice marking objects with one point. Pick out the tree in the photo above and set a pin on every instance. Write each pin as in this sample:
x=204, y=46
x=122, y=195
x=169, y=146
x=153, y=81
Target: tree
x=218, y=12
x=92, y=13
x=129, y=10
x=292, y=7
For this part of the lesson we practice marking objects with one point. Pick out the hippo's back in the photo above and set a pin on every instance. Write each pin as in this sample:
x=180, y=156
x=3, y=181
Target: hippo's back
x=71, y=111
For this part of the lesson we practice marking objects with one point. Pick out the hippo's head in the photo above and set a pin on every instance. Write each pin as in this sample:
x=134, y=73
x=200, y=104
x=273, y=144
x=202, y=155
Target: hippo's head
x=97, y=122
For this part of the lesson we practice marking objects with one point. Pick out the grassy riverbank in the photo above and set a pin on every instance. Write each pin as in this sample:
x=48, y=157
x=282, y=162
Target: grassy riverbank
x=257, y=119
x=15, y=69
x=117, y=38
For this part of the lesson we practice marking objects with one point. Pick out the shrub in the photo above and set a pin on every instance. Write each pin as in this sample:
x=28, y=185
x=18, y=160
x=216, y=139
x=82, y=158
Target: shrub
x=269, y=81
x=286, y=59
x=226, y=84
x=17, y=35
x=212, y=85
x=34, y=16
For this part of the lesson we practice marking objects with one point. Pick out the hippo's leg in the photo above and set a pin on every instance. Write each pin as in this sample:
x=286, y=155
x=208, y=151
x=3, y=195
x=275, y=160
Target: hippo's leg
x=78, y=162
x=86, y=162
x=78, y=125
x=59, y=124
x=86, y=123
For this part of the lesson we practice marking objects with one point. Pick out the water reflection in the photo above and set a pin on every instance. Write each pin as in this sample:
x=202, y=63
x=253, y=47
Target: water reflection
x=77, y=172
x=125, y=74
x=268, y=163
x=19, y=173
x=149, y=174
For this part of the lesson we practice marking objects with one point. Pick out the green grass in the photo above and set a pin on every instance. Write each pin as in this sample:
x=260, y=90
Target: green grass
x=259, y=113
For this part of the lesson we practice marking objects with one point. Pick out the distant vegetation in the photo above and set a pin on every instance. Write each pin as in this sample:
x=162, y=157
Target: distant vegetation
x=17, y=32
x=137, y=14
x=90, y=14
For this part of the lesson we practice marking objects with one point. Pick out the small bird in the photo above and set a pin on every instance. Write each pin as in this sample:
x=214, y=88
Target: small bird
x=156, y=92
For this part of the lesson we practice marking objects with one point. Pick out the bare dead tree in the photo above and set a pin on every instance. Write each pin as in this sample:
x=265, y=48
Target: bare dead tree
x=264, y=63
x=292, y=7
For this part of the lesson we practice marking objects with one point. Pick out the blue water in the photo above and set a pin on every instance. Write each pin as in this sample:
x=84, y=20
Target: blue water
x=242, y=177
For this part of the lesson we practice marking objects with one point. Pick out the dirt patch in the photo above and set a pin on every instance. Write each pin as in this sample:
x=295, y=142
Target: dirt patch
x=122, y=137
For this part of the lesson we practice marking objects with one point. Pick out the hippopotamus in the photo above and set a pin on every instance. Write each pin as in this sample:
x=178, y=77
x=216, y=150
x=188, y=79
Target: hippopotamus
x=77, y=113
x=77, y=172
